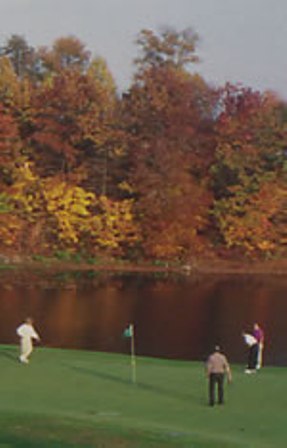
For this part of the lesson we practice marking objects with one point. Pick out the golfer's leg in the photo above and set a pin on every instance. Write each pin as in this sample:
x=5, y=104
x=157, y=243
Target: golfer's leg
x=22, y=350
x=254, y=356
x=220, y=381
x=29, y=350
x=249, y=362
x=260, y=356
x=211, y=389
x=26, y=349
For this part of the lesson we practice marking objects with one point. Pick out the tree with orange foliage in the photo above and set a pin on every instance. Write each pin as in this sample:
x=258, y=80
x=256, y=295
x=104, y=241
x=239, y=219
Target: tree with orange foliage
x=248, y=176
x=168, y=117
x=74, y=132
x=68, y=115
x=67, y=53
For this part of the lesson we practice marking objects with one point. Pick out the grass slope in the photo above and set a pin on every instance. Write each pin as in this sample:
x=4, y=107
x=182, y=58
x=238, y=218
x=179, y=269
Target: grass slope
x=67, y=398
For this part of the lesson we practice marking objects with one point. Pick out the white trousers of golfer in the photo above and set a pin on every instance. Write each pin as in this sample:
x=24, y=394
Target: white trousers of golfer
x=260, y=355
x=27, y=334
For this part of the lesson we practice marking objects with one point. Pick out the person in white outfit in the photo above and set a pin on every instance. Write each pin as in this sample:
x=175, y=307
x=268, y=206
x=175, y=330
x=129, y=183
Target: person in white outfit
x=27, y=333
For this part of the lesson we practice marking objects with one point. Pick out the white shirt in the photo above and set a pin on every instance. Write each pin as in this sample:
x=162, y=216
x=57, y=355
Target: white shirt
x=27, y=331
x=249, y=339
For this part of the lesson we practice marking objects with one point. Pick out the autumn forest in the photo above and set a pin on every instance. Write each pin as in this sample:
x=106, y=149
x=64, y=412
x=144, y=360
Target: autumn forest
x=170, y=169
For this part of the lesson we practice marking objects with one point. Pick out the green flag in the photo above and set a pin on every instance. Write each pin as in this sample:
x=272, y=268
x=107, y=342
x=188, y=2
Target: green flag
x=128, y=332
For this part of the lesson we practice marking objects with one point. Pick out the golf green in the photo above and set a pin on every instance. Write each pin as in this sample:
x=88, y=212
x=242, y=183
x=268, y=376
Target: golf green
x=70, y=398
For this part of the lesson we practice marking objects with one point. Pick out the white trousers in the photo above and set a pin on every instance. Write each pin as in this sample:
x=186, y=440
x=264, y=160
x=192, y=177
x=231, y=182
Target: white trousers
x=260, y=356
x=26, y=348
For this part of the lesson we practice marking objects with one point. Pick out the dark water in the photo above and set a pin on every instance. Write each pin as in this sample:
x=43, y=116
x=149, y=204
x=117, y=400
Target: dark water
x=175, y=316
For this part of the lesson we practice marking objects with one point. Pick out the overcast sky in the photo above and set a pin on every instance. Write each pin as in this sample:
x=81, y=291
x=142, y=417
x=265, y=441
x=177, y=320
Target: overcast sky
x=242, y=41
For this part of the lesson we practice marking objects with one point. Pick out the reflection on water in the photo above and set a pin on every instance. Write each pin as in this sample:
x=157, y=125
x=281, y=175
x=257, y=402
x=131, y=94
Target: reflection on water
x=175, y=316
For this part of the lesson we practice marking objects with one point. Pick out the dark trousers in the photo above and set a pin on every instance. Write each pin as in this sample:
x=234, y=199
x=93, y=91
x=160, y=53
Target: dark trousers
x=252, y=357
x=216, y=379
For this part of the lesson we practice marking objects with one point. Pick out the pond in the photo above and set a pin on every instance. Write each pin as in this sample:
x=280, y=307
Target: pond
x=175, y=316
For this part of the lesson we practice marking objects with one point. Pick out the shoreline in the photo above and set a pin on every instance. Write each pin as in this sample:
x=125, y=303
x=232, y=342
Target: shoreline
x=199, y=266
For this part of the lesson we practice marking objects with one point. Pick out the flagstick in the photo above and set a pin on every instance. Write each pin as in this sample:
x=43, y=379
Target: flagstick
x=133, y=355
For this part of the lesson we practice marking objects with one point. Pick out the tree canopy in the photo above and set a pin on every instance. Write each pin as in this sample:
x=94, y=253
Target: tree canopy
x=170, y=169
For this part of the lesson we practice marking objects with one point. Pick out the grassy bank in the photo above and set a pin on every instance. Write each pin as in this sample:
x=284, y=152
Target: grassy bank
x=199, y=266
x=66, y=398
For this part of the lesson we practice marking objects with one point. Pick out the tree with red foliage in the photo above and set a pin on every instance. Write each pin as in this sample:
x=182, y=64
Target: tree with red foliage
x=168, y=114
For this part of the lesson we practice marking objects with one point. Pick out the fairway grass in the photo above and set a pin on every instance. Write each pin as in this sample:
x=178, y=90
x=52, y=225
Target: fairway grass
x=70, y=398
